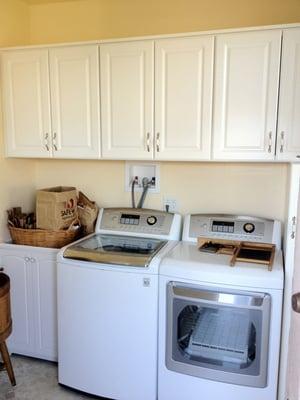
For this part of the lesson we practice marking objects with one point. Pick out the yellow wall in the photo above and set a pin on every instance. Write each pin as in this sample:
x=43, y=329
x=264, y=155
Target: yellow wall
x=257, y=189
x=95, y=19
x=17, y=177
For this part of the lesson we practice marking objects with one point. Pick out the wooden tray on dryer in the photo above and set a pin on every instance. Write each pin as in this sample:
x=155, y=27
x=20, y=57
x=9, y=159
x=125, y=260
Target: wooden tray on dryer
x=250, y=252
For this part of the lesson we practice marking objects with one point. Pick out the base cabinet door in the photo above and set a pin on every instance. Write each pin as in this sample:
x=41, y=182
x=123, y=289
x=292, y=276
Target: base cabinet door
x=18, y=268
x=183, y=98
x=44, y=279
x=33, y=301
x=26, y=103
x=245, y=96
x=74, y=77
x=127, y=100
x=288, y=142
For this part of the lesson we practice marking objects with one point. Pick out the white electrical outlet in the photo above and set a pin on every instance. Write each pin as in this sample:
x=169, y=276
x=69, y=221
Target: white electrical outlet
x=170, y=204
x=138, y=171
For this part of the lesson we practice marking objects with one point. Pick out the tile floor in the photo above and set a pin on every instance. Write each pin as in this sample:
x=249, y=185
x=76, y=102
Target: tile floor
x=36, y=380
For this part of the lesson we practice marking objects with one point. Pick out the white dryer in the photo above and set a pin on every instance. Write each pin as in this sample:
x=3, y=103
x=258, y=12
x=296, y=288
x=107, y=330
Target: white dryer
x=219, y=326
x=108, y=304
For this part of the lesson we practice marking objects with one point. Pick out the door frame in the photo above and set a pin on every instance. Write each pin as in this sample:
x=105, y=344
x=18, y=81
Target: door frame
x=293, y=192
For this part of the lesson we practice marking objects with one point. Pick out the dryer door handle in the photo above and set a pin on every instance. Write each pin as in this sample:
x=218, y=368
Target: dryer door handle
x=244, y=300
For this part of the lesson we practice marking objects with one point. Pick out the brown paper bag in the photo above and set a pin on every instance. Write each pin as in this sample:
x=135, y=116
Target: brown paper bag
x=56, y=208
x=87, y=213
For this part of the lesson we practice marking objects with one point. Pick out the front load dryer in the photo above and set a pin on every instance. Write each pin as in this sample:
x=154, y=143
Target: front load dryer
x=219, y=326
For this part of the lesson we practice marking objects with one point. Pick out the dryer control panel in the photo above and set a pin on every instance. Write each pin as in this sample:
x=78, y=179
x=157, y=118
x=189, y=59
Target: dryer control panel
x=231, y=227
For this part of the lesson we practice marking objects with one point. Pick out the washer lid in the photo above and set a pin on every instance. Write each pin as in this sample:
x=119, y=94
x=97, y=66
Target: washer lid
x=185, y=261
x=113, y=249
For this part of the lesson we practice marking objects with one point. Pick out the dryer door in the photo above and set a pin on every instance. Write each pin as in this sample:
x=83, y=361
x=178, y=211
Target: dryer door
x=218, y=335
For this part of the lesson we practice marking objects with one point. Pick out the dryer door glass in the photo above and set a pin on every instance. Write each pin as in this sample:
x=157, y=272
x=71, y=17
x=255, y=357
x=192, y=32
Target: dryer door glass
x=218, y=335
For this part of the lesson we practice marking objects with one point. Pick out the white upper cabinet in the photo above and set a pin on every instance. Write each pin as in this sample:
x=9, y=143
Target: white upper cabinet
x=26, y=103
x=74, y=77
x=245, y=96
x=230, y=96
x=183, y=98
x=288, y=141
x=127, y=100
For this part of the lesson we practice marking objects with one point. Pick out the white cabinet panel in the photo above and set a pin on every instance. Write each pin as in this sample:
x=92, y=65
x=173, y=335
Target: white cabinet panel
x=245, y=97
x=127, y=100
x=183, y=98
x=26, y=102
x=22, y=306
x=288, y=142
x=32, y=273
x=74, y=77
x=46, y=306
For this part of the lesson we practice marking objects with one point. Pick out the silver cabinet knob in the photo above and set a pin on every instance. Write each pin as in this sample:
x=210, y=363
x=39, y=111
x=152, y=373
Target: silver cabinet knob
x=270, y=142
x=47, y=141
x=158, y=142
x=32, y=260
x=281, y=141
x=148, y=141
x=54, y=141
x=27, y=259
x=296, y=302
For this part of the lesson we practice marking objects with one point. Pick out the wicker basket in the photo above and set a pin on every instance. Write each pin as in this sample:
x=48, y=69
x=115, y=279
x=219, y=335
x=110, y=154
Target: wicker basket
x=43, y=237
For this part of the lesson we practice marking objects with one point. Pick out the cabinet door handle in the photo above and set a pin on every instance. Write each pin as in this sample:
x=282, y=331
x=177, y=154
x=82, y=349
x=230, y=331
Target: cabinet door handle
x=54, y=141
x=157, y=142
x=148, y=141
x=293, y=234
x=270, y=142
x=47, y=141
x=32, y=260
x=27, y=259
x=281, y=141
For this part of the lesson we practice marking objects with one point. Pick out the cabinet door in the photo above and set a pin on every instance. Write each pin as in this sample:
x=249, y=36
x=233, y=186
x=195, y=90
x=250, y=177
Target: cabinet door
x=183, y=98
x=245, y=98
x=74, y=73
x=26, y=103
x=44, y=280
x=288, y=142
x=22, y=339
x=127, y=100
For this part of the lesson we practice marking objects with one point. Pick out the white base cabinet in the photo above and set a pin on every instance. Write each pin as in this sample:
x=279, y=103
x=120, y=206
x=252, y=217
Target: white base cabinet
x=32, y=273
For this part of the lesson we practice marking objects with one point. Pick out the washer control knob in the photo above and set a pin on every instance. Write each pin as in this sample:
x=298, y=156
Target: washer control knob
x=249, y=227
x=151, y=220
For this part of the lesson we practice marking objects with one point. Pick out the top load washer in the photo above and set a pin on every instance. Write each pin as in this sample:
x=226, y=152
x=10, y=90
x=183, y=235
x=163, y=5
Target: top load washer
x=107, y=304
x=219, y=326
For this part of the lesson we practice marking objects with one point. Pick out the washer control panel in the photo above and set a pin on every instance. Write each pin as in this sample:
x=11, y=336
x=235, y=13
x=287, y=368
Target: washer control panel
x=144, y=221
x=229, y=227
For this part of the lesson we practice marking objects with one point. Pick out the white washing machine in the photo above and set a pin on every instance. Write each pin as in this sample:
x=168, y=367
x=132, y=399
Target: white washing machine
x=108, y=304
x=219, y=326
